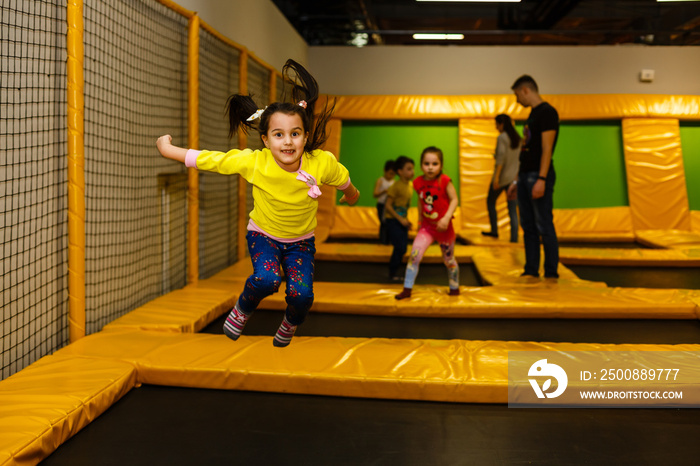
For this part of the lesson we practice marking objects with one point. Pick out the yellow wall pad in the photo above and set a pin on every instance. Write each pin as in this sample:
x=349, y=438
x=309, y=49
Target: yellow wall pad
x=435, y=370
x=49, y=401
x=695, y=220
x=569, y=107
x=655, y=174
x=362, y=222
x=380, y=253
x=527, y=298
x=189, y=309
x=503, y=266
x=630, y=257
x=477, y=143
x=669, y=239
x=595, y=224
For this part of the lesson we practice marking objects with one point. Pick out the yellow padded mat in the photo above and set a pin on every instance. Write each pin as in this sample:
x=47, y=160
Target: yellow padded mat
x=436, y=370
x=46, y=403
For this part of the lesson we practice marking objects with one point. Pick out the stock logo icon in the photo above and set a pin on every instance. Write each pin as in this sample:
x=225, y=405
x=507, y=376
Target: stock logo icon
x=541, y=369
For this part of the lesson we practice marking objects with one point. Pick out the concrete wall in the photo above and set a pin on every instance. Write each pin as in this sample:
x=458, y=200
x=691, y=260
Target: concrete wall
x=464, y=70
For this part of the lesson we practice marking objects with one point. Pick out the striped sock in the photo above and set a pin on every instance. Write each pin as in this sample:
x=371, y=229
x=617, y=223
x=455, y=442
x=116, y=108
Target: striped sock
x=235, y=322
x=284, y=333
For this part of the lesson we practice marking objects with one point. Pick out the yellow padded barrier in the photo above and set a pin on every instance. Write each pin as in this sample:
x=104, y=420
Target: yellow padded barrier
x=630, y=257
x=527, y=298
x=435, y=370
x=503, y=266
x=49, y=401
x=326, y=203
x=570, y=107
x=380, y=253
x=595, y=224
x=362, y=222
x=655, y=174
x=669, y=239
x=189, y=309
x=695, y=220
x=477, y=142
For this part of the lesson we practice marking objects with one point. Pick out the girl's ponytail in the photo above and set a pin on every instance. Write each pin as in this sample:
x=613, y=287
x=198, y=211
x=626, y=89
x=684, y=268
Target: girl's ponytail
x=305, y=88
x=239, y=108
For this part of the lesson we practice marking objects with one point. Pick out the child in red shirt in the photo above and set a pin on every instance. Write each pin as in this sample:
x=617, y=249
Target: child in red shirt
x=437, y=201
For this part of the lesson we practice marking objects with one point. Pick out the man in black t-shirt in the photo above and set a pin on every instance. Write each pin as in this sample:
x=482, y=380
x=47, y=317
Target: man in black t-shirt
x=536, y=179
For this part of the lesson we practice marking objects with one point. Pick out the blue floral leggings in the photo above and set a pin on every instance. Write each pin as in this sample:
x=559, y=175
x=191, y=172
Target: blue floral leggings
x=269, y=259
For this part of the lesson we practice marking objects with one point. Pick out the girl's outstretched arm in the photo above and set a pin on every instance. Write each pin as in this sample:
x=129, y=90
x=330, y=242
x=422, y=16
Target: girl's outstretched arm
x=167, y=150
x=350, y=195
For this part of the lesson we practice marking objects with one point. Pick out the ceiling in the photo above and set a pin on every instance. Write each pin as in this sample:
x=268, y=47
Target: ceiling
x=530, y=22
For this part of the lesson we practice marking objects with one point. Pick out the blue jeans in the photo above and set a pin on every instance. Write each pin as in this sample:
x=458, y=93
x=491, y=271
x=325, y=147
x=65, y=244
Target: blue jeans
x=398, y=237
x=512, y=212
x=538, y=223
x=269, y=258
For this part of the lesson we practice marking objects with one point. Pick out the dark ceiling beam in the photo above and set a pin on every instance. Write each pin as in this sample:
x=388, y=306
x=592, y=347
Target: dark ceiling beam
x=548, y=13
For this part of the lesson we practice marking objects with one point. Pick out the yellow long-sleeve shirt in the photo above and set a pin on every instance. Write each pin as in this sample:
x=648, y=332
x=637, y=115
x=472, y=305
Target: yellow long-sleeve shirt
x=283, y=206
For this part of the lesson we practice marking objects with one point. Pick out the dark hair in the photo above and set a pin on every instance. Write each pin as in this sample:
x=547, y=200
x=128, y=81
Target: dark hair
x=402, y=161
x=507, y=123
x=525, y=80
x=389, y=165
x=303, y=88
x=434, y=150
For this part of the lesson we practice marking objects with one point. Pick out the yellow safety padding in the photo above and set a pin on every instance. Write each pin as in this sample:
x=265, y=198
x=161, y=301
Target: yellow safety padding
x=520, y=298
x=695, y=220
x=354, y=252
x=675, y=239
x=435, y=370
x=76, y=169
x=603, y=223
x=630, y=257
x=46, y=403
x=503, y=266
x=362, y=222
x=477, y=143
x=570, y=107
x=326, y=203
x=189, y=309
x=655, y=174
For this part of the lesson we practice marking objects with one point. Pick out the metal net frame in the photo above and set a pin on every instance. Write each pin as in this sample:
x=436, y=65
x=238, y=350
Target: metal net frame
x=135, y=89
x=33, y=181
x=218, y=195
x=135, y=203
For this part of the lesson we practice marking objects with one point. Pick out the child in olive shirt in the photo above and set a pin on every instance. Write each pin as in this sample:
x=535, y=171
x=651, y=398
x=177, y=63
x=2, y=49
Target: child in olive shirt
x=396, y=213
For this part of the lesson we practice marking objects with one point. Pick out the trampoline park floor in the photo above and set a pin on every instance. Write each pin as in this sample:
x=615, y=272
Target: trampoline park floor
x=172, y=425
x=154, y=425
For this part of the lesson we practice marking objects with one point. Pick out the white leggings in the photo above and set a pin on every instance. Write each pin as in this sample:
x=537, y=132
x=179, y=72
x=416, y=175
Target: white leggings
x=420, y=244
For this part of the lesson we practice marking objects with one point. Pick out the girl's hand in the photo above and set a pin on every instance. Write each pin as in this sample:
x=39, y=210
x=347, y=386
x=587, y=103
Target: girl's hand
x=167, y=150
x=443, y=224
x=350, y=200
x=405, y=222
x=163, y=142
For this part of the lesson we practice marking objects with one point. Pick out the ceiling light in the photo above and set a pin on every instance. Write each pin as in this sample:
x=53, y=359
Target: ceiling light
x=438, y=36
x=495, y=1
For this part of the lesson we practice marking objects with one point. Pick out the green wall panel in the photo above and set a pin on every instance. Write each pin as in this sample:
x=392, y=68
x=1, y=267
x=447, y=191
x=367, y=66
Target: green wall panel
x=365, y=146
x=690, y=143
x=590, y=165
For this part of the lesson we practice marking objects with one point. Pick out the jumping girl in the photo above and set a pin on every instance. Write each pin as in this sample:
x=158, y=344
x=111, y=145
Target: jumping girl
x=286, y=177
